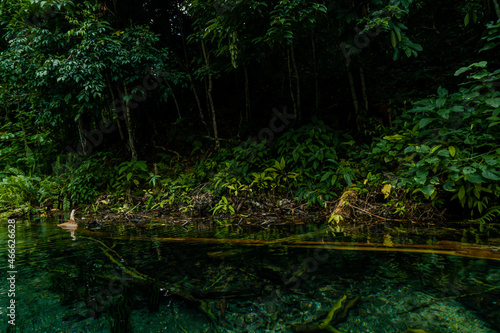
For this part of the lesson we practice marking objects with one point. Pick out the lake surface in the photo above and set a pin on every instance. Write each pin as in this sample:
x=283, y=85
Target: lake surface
x=162, y=277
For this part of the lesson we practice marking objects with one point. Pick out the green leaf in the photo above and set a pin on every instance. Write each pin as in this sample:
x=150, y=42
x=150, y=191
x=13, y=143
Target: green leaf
x=457, y=108
x=393, y=39
x=490, y=160
x=442, y=92
x=490, y=175
x=386, y=190
x=493, y=102
x=461, y=193
x=129, y=175
x=466, y=19
x=141, y=165
x=481, y=64
x=417, y=47
x=461, y=70
x=435, y=148
x=335, y=217
x=428, y=190
x=440, y=102
x=480, y=75
x=444, y=153
x=421, y=176
x=325, y=176
x=488, y=46
x=409, y=149
x=423, y=149
x=395, y=56
x=123, y=168
x=468, y=170
x=448, y=186
x=424, y=122
x=452, y=151
x=475, y=178
x=395, y=137
x=398, y=32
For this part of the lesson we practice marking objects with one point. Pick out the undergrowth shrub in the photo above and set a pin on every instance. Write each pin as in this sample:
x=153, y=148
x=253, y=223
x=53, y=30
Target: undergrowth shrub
x=92, y=176
x=446, y=146
x=18, y=190
x=21, y=191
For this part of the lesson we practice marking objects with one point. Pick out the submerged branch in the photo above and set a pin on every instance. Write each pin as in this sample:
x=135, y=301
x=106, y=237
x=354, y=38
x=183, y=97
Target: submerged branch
x=443, y=247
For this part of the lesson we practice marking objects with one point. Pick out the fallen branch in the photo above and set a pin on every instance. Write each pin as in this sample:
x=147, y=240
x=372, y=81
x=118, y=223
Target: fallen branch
x=379, y=217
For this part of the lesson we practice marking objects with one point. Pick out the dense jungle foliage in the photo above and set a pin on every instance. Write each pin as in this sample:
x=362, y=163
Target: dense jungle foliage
x=154, y=104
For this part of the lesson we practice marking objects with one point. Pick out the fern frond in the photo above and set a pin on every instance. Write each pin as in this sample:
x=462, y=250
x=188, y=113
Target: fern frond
x=490, y=215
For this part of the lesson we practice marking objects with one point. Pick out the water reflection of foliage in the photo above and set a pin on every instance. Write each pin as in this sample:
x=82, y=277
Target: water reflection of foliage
x=73, y=282
x=118, y=314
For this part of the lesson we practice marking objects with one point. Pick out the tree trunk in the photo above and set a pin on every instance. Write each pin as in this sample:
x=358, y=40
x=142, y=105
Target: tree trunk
x=83, y=141
x=363, y=87
x=188, y=71
x=129, y=125
x=497, y=8
x=247, y=101
x=207, y=102
x=290, y=83
x=114, y=115
x=315, y=69
x=152, y=123
x=20, y=121
x=354, y=97
x=297, y=81
x=175, y=100
x=210, y=99
x=122, y=136
x=247, y=94
x=198, y=102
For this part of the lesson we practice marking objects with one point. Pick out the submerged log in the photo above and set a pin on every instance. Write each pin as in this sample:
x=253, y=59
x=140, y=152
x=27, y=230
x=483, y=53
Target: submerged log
x=305, y=328
x=338, y=313
x=443, y=247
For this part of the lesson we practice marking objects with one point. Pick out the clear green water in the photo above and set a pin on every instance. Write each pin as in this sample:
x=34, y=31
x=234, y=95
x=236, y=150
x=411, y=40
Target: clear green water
x=136, y=279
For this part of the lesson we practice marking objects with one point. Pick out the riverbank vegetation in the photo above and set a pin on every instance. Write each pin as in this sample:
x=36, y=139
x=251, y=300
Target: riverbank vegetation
x=373, y=109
